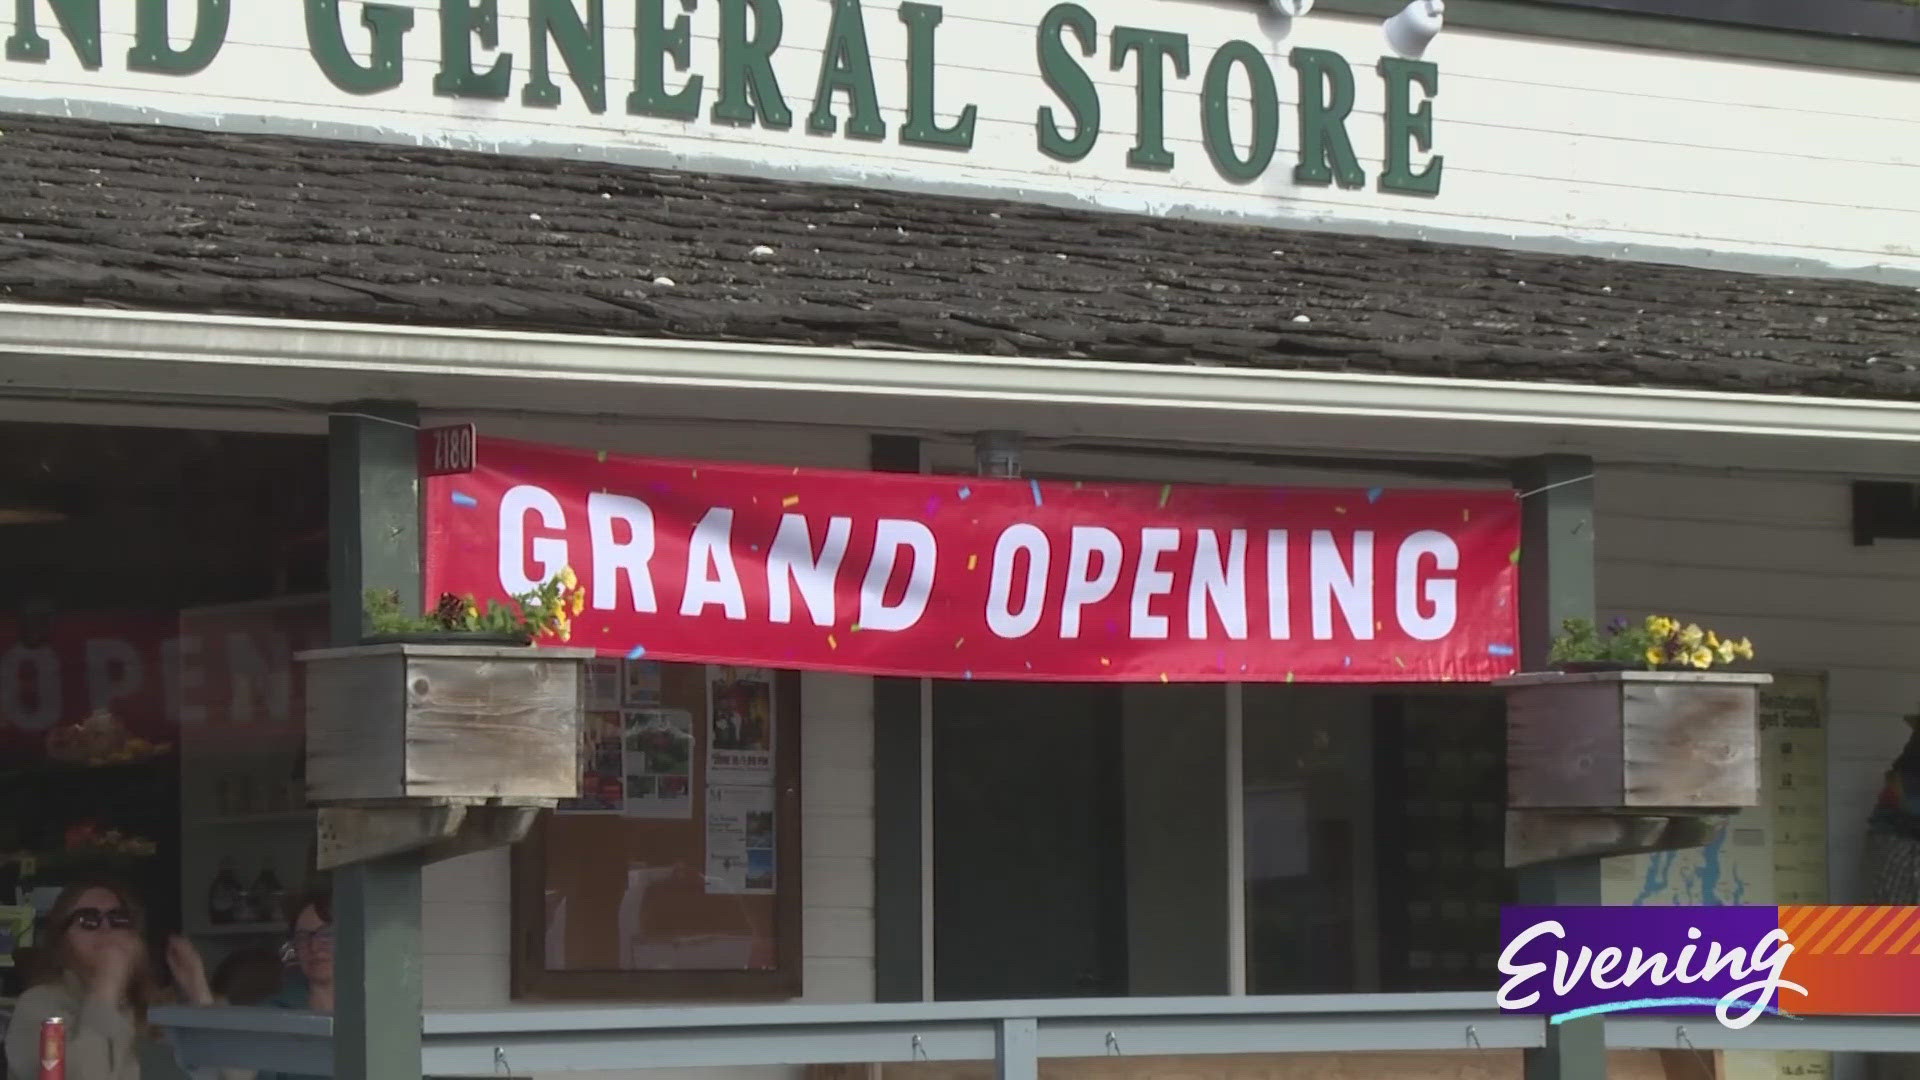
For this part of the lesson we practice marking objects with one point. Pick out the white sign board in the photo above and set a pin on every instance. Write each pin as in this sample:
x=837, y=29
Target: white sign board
x=1165, y=106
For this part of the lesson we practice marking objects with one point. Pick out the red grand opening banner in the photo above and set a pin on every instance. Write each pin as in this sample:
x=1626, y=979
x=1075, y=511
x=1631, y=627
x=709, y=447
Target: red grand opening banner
x=971, y=578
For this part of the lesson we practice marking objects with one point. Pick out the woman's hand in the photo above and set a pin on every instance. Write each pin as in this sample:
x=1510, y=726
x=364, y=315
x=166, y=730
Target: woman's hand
x=119, y=958
x=189, y=970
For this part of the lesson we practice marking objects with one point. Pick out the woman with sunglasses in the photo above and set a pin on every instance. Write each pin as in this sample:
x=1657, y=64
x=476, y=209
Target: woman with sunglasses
x=97, y=978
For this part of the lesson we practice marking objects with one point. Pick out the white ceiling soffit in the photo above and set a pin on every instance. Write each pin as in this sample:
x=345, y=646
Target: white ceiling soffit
x=61, y=353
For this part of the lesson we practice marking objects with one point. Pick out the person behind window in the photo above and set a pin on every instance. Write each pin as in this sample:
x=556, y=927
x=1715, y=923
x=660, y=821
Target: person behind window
x=310, y=934
x=97, y=978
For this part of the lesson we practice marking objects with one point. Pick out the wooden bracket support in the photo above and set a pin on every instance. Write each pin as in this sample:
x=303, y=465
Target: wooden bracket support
x=1544, y=836
x=434, y=832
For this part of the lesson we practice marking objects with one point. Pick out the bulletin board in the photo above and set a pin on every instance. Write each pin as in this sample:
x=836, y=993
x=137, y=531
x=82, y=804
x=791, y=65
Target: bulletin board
x=675, y=873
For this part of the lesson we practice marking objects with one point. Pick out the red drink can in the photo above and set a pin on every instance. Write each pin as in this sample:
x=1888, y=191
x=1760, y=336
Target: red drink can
x=53, y=1049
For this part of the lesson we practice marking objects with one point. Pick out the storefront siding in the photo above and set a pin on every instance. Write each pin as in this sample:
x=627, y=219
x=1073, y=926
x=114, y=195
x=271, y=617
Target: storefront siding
x=1542, y=138
x=1773, y=558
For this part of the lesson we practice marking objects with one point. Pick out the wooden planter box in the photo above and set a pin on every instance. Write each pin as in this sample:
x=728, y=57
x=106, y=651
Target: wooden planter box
x=1635, y=741
x=403, y=723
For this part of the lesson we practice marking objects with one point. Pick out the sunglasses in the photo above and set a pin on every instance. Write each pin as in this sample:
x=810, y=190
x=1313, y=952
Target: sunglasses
x=305, y=939
x=92, y=918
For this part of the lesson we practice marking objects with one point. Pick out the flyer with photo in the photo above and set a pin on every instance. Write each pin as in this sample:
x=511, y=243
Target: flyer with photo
x=602, y=767
x=658, y=771
x=740, y=845
x=640, y=684
x=739, y=726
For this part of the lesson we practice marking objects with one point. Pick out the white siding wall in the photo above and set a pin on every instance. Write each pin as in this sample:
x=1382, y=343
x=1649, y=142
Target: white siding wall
x=1773, y=558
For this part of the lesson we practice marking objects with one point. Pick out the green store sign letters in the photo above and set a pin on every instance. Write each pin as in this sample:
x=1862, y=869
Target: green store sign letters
x=1069, y=45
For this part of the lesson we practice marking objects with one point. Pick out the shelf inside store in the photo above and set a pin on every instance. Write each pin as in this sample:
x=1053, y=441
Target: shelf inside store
x=270, y=819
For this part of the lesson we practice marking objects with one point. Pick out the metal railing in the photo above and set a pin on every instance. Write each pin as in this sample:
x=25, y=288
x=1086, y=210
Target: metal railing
x=1016, y=1035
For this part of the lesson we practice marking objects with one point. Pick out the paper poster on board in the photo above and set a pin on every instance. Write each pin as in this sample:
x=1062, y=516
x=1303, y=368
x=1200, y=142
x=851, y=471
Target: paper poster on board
x=658, y=754
x=740, y=849
x=640, y=684
x=601, y=690
x=602, y=767
x=739, y=726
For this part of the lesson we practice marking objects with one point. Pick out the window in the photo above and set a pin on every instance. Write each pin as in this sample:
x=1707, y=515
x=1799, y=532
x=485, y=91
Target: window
x=1374, y=837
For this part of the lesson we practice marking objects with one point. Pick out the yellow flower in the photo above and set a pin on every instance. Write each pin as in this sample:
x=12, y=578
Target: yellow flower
x=1726, y=651
x=1655, y=657
x=1702, y=658
x=1743, y=649
x=1713, y=640
x=1692, y=636
x=579, y=601
x=1660, y=626
x=473, y=611
x=567, y=577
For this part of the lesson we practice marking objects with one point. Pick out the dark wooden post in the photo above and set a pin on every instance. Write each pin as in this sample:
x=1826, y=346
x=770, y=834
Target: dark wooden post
x=897, y=886
x=1557, y=583
x=374, y=527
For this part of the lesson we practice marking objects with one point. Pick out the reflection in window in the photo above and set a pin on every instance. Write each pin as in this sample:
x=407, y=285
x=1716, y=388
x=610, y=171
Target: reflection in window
x=1373, y=838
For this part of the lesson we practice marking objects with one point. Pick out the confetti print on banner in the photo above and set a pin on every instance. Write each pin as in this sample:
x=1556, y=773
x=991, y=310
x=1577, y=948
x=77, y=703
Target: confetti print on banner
x=791, y=500
x=832, y=642
x=461, y=498
x=1500, y=650
x=1035, y=485
x=1373, y=494
x=966, y=493
x=933, y=505
x=636, y=652
x=973, y=562
x=600, y=456
x=1166, y=492
x=959, y=643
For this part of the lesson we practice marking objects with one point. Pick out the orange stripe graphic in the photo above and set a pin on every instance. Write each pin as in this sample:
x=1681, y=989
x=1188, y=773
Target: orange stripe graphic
x=1813, y=929
x=1902, y=917
x=1875, y=916
x=1848, y=917
x=1793, y=918
x=1901, y=945
x=1820, y=918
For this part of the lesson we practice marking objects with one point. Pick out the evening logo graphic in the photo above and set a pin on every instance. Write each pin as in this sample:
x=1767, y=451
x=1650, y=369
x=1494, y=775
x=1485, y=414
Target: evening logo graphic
x=1737, y=963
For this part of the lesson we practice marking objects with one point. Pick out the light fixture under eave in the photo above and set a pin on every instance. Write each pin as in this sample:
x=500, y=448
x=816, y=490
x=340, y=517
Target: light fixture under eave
x=1277, y=19
x=29, y=515
x=1411, y=30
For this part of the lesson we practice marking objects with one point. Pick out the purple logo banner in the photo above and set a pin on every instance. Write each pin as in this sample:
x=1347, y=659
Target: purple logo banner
x=1569, y=962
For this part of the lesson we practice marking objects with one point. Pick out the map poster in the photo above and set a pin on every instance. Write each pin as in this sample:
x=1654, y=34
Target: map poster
x=1774, y=853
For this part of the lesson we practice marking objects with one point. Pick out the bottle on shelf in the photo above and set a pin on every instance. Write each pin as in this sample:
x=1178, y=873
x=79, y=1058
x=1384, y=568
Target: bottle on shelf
x=225, y=897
